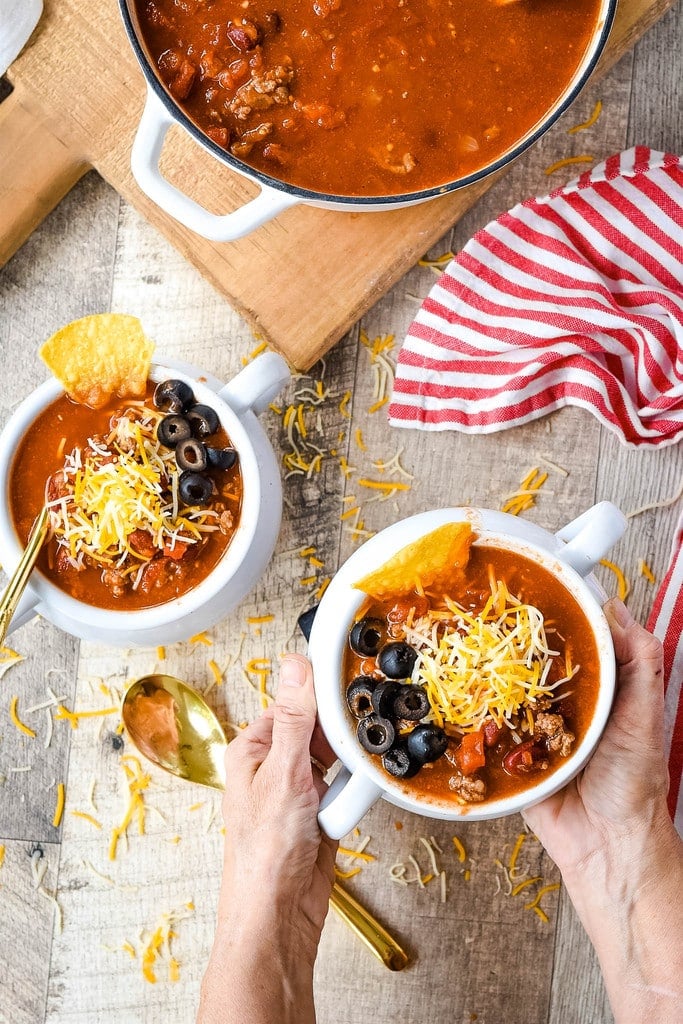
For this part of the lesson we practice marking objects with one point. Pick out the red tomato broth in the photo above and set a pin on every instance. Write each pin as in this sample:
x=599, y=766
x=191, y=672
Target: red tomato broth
x=359, y=100
x=532, y=584
x=64, y=426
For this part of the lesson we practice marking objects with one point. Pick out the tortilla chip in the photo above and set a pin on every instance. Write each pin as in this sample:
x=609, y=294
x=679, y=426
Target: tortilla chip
x=100, y=356
x=430, y=563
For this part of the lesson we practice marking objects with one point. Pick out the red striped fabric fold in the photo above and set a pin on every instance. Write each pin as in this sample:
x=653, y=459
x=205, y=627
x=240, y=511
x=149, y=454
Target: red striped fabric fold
x=575, y=298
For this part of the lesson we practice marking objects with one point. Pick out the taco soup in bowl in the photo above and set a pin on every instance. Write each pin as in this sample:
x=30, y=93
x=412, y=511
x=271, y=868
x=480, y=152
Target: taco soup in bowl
x=164, y=509
x=472, y=670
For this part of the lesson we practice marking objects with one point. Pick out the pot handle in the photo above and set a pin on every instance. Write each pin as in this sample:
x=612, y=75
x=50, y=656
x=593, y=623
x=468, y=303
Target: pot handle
x=346, y=801
x=589, y=538
x=257, y=384
x=144, y=162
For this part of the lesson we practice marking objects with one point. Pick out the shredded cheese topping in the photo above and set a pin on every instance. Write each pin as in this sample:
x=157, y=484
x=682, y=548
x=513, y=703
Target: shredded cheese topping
x=490, y=665
x=119, y=484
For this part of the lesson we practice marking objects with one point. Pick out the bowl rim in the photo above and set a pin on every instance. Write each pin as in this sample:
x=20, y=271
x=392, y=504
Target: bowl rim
x=135, y=620
x=590, y=58
x=340, y=603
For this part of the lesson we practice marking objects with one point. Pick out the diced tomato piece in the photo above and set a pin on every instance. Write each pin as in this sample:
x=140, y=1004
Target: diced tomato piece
x=175, y=551
x=400, y=610
x=142, y=542
x=470, y=755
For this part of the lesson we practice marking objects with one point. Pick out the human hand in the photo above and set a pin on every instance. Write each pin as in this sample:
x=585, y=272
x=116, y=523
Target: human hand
x=278, y=865
x=622, y=791
x=610, y=834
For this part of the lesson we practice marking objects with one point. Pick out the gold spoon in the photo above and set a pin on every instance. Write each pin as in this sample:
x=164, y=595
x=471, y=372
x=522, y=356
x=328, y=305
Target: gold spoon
x=19, y=579
x=174, y=727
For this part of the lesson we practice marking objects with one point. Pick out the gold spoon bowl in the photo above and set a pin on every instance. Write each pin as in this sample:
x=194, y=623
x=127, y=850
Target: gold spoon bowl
x=173, y=726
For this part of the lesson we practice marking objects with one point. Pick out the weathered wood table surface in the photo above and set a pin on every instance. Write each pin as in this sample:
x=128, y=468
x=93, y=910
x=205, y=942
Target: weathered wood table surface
x=483, y=955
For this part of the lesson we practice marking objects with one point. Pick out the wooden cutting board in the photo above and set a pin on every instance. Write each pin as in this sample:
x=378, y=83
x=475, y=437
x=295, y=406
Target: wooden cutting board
x=302, y=280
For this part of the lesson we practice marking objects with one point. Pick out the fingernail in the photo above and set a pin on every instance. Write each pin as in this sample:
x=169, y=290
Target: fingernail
x=620, y=612
x=292, y=671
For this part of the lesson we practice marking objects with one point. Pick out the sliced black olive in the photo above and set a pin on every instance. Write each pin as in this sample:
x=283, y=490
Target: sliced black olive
x=411, y=703
x=194, y=489
x=203, y=420
x=426, y=743
x=398, y=762
x=305, y=621
x=397, y=659
x=173, y=429
x=221, y=458
x=191, y=454
x=383, y=697
x=359, y=696
x=173, y=396
x=365, y=637
x=375, y=734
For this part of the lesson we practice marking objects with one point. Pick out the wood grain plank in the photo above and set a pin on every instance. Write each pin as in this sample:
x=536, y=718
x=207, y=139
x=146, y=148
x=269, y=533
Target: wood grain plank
x=38, y=293
x=26, y=924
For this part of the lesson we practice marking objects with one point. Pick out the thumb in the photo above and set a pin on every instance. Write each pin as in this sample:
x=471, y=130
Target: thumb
x=294, y=714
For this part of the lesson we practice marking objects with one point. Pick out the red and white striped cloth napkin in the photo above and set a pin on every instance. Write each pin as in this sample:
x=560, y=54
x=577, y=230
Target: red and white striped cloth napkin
x=575, y=298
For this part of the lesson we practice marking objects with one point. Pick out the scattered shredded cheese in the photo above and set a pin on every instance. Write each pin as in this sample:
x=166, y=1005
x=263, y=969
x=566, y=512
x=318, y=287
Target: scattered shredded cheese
x=201, y=638
x=460, y=849
x=73, y=717
x=597, y=109
x=254, y=353
x=59, y=809
x=438, y=263
x=664, y=503
x=87, y=817
x=138, y=781
x=568, y=161
x=215, y=671
x=16, y=721
x=623, y=585
x=9, y=658
x=525, y=496
x=645, y=570
x=260, y=667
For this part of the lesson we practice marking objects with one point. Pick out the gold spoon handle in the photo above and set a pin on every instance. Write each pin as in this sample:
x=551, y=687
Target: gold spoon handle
x=376, y=938
x=16, y=585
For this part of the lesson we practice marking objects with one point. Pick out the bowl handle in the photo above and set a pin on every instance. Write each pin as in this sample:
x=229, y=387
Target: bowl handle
x=589, y=538
x=144, y=162
x=257, y=384
x=346, y=801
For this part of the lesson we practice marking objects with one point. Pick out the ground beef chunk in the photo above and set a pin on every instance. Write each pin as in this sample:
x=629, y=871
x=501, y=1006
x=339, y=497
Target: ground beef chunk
x=156, y=574
x=115, y=581
x=552, y=729
x=263, y=90
x=226, y=522
x=470, y=789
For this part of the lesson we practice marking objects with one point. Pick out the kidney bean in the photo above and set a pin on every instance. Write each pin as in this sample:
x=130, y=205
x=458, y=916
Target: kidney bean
x=492, y=733
x=245, y=37
x=525, y=758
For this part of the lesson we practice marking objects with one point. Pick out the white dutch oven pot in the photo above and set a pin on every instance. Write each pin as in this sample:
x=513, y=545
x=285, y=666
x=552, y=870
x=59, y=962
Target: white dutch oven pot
x=275, y=196
x=238, y=404
x=569, y=555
